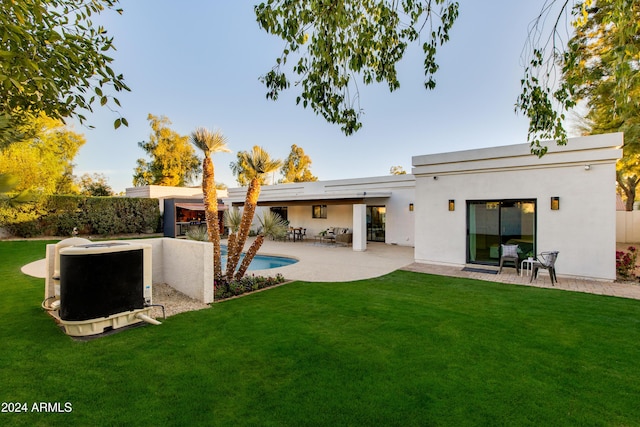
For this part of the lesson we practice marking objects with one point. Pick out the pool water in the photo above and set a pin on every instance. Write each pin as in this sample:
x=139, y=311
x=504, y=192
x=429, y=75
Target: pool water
x=260, y=262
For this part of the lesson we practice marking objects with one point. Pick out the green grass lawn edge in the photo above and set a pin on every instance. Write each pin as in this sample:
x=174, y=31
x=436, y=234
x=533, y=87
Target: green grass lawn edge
x=402, y=349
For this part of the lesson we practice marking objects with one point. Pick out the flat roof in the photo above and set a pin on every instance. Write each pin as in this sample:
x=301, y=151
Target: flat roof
x=346, y=198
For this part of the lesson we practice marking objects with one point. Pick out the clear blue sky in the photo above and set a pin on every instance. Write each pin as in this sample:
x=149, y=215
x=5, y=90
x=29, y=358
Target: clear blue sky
x=198, y=63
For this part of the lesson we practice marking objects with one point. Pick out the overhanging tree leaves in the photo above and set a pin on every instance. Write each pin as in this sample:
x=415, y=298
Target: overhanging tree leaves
x=338, y=42
x=602, y=66
x=54, y=59
x=43, y=163
x=546, y=96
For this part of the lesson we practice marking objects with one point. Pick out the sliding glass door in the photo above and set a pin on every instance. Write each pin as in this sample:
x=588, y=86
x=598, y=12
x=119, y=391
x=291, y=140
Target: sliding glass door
x=376, y=223
x=491, y=223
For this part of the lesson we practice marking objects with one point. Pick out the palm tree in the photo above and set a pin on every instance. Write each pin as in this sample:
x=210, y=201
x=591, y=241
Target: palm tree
x=232, y=220
x=271, y=225
x=258, y=163
x=211, y=142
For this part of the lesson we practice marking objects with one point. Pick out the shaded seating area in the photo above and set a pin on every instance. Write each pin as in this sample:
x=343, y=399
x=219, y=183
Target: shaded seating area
x=335, y=235
x=545, y=261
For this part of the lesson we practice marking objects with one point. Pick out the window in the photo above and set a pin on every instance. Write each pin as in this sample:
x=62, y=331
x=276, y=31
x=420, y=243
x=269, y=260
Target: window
x=319, y=211
x=491, y=223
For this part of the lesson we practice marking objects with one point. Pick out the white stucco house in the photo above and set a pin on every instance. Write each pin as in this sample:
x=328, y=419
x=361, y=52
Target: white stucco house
x=469, y=202
x=457, y=208
x=373, y=209
x=162, y=192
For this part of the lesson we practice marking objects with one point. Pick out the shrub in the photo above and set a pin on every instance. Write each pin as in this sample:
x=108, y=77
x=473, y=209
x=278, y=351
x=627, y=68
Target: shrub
x=245, y=285
x=20, y=219
x=58, y=215
x=198, y=232
x=626, y=262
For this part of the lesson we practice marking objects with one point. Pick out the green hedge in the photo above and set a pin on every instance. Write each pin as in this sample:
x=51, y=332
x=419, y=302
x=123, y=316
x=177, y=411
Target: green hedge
x=58, y=215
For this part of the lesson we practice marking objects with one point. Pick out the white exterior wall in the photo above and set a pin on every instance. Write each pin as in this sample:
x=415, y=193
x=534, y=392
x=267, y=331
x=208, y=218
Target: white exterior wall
x=395, y=192
x=583, y=230
x=185, y=265
x=162, y=192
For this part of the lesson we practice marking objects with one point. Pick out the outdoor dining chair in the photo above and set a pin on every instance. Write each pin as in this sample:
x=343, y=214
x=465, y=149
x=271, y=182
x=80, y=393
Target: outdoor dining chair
x=546, y=261
x=509, y=254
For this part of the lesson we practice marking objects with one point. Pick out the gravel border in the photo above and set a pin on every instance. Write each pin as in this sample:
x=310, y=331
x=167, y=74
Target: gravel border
x=174, y=302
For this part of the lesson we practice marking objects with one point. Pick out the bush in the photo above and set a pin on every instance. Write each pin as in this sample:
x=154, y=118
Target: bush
x=58, y=215
x=198, y=233
x=626, y=262
x=20, y=219
x=245, y=285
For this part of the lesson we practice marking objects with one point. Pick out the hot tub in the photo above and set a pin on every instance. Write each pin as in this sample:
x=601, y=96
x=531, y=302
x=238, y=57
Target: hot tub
x=104, y=286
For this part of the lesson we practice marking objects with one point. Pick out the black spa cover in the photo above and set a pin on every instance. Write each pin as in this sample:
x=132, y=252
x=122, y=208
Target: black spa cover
x=96, y=285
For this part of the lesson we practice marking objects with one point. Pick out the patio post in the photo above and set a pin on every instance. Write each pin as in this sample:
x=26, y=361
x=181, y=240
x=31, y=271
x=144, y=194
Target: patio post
x=360, y=227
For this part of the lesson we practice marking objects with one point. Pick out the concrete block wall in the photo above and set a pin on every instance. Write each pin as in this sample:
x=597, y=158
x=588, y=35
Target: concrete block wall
x=185, y=265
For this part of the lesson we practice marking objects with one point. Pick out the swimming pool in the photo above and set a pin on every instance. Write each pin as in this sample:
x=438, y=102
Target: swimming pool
x=260, y=262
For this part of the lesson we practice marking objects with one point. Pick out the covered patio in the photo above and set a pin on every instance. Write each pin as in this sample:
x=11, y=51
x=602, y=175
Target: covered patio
x=356, y=202
x=372, y=209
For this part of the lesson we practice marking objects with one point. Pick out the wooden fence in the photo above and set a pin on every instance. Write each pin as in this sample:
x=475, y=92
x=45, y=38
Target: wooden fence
x=628, y=227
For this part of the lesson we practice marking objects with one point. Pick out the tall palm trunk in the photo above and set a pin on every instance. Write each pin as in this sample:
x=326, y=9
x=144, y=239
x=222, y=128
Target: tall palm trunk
x=250, y=204
x=231, y=253
x=271, y=225
x=211, y=214
x=211, y=142
x=248, y=257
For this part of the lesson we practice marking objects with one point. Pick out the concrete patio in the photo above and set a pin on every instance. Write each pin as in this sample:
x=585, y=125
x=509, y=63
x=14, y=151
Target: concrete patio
x=331, y=263
x=335, y=263
x=509, y=275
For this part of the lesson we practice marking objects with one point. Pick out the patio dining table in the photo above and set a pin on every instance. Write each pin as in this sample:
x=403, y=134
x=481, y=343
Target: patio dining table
x=296, y=233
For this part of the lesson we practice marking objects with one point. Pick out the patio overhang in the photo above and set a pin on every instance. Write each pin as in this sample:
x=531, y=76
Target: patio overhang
x=351, y=198
x=197, y=206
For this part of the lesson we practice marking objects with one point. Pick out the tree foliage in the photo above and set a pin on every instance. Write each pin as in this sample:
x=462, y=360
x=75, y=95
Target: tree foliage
x=43, y=163
x=296, y=167
x=240, y=168
x=336, y=43
x=562, y=69
x=95, y=185
x=173, y=160
x=601, y=66
x=397, y=170
x=54, y=59
x=258, y=163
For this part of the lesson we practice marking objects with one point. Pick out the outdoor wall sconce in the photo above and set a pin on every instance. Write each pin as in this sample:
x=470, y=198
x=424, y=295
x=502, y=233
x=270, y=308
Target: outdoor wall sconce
x=410, y=207
x=452, y=205
x=587, y=167
x=555, y=203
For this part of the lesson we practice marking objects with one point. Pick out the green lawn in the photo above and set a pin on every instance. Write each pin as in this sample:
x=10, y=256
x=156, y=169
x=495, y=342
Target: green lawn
x=404, y=349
